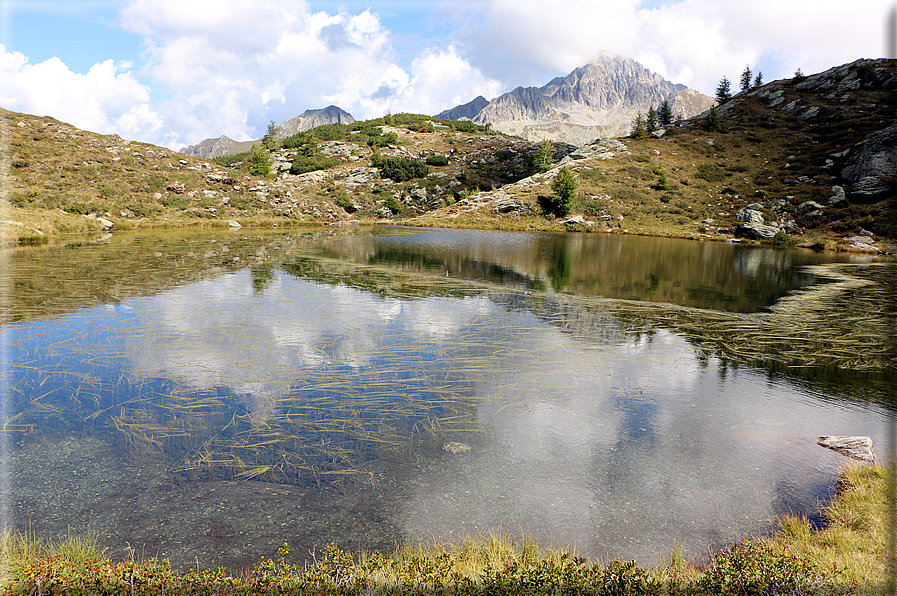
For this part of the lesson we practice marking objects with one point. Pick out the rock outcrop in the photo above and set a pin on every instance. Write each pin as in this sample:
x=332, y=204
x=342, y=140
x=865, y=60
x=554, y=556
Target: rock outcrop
x=599, y=99
x=872, y=168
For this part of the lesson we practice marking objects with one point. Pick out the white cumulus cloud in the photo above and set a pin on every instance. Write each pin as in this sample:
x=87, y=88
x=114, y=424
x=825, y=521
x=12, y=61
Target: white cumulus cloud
x=107, y=99
x=230, y=66
x=213, y=67
x=694, y=42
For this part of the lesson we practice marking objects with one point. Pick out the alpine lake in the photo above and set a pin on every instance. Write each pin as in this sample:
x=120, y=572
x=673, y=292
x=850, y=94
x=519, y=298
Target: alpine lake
x=204, y=397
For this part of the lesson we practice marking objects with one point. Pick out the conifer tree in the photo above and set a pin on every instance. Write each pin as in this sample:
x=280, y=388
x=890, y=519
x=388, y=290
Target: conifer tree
x=260, y=161
x=723, y=91
x=651, y=120
x=639, y=128
x=746, y=79
x=711, y=122
x=544, y=158
x=564, y=187
x=665, y=113
x=270, y=138
x=758, y=80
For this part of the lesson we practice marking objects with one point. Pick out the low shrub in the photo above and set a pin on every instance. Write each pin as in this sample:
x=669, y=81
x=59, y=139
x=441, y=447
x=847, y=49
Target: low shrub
x=393, y=204
x=437, y=160
x=303, y=164
x=402, y=169
x=756, y=568
x=711, y=173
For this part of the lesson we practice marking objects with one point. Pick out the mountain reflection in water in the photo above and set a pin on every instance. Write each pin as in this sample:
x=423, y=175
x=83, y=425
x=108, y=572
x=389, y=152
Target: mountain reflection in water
x=281, y=388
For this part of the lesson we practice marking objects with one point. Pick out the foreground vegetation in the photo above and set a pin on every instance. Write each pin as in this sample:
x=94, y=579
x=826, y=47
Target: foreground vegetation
x=846, y=557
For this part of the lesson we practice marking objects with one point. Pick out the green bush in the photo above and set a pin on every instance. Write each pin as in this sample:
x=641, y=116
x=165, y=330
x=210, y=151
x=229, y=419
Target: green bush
x=402, y=169
x=383, y=140
x=756, y=569
x=175, y=201
x=464, y=126
x=230, y=161
x=393, y=204
x=437, y=160
x=593, y=207
x=564, y=187
x=420, y=126
x=302, y=164
x=309, y=159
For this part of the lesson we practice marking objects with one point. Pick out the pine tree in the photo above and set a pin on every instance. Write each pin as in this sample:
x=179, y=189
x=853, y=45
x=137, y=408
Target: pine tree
x=260, y=161
x=651, y=121
x=662, y=182
x=746, y=79
x=711, y=122
x=723, y=91
x=665, y=113
x=758, y=80
x=270, y=138
x=564, y=187
x=544, y=158
x=639, y=129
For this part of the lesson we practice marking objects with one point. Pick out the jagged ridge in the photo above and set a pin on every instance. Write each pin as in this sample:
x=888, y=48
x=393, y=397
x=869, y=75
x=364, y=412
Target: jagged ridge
x=599, y=99
x=306, y=121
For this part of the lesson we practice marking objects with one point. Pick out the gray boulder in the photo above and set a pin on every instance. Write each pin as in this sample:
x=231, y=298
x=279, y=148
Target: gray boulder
x=856, y=447
x=751, y=225
x=872, y=167
x=837, y=196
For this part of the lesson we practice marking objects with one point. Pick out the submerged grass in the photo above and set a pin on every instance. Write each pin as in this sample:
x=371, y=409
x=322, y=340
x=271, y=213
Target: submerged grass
x=326, y=430
x=848, y=556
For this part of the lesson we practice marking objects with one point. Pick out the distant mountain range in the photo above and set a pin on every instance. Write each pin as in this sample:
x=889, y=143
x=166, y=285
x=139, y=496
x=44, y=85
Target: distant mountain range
x=599, y=99
x=309, y=119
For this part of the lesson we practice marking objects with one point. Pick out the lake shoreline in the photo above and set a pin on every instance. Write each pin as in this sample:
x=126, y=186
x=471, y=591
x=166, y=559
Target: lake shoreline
x=35, y=227
x=848, y=555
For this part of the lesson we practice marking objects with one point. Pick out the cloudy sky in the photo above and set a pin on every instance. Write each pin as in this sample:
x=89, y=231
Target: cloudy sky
x=174, y=72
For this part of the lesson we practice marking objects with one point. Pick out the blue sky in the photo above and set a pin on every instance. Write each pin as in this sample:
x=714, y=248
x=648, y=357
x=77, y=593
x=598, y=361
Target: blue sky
x=174, y=72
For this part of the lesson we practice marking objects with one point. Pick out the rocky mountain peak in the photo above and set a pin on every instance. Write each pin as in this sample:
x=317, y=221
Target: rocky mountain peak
x=599, y=99
x=308, y=120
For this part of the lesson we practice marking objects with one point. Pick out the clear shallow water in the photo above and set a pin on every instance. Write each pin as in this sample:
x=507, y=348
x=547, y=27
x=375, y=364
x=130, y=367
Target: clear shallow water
x=206, y=398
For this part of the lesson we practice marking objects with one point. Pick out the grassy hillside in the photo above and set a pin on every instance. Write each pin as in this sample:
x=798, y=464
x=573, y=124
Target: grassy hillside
x=780, y=147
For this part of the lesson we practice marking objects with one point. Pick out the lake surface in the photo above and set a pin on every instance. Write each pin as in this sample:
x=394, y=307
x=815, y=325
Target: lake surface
x=205, y=397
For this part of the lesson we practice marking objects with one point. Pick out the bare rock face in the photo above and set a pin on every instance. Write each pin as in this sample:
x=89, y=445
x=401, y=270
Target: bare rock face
x=599, y=99
x=213, y=148
x=312, y=119
x=309, y=119
x=872, y=169
x=468, y=110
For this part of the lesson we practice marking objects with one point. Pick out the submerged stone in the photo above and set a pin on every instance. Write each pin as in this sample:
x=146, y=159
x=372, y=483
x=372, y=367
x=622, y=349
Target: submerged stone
x=455, y=448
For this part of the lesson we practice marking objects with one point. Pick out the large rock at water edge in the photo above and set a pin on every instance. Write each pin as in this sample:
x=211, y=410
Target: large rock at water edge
x=856, y=447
